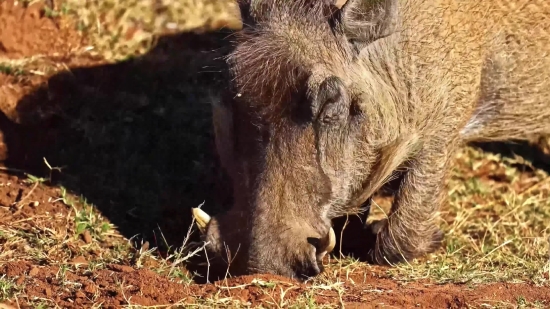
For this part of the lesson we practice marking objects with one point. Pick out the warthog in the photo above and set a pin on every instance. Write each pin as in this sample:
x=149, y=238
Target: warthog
x=326, y=103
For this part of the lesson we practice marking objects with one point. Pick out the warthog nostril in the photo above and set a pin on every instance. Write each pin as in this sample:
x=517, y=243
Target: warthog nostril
x=310, y=271
x=315, y=242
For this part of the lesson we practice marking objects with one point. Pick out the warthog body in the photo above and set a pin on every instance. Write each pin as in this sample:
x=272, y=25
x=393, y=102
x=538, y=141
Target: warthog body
x=326, y=103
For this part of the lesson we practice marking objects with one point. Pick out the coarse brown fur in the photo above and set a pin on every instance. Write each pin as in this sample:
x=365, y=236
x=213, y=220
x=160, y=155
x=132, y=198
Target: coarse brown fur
x=326, y=103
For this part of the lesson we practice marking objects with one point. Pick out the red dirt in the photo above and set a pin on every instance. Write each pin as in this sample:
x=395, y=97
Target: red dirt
x=117, y=286
x=25, y=32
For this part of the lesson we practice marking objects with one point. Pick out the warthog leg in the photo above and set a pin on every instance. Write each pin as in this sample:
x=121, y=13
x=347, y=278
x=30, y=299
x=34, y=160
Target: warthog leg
x=410, y=230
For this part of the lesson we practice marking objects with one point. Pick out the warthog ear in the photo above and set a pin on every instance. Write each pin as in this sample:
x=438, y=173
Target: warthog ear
x=244, y=10
x=332, y=102
x=254, y=11
x=365, y=21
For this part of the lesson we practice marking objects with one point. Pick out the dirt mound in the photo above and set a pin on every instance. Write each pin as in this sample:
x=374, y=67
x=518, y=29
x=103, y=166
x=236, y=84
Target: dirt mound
x=27, y=31
x=34, y=43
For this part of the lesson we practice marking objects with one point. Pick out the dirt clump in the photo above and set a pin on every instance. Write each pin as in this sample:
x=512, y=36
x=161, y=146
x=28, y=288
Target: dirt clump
x=26, y=31
x=17, y=197
x=33, y=46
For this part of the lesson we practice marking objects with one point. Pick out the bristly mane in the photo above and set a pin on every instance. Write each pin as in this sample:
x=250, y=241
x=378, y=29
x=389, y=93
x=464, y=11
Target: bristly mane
x=274, y=55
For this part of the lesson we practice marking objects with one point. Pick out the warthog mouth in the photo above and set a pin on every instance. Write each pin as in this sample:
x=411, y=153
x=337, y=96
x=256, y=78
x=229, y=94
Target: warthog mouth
x=323, y=245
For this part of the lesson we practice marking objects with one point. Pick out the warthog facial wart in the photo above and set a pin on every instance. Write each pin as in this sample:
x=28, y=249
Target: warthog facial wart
x=326, y=103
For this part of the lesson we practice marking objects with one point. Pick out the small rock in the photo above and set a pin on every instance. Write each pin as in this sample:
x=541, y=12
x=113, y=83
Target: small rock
x=90, y=288
x=20, y=280
x=6, y=306
x=121, y=268
x=35, y=204
x=79, y=294
x=48, y=292
x=34, y=271
x=34, y=9
x=87, y=237
x=79, y=260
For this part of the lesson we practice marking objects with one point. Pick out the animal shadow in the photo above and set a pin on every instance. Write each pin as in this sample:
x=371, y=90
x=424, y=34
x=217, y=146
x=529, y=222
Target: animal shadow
x=532, y=153
x=134, y=138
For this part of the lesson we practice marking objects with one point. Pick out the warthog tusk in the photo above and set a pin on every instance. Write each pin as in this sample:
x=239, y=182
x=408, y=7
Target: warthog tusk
x=329, y=243
x=331, y=240
x=202, y=218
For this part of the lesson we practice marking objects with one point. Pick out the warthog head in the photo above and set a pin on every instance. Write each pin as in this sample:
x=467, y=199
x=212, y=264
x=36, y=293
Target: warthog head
x=299, y=130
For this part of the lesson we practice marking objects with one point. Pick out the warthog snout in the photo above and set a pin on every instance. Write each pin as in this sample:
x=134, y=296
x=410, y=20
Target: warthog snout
x=304, y=264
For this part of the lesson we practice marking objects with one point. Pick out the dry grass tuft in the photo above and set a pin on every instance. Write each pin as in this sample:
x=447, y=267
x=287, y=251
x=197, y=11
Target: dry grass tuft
x=495, y=230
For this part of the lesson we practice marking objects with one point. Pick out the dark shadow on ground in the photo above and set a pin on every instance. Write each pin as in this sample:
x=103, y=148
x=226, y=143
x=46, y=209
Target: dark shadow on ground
x=531, y=153
x=133, y=138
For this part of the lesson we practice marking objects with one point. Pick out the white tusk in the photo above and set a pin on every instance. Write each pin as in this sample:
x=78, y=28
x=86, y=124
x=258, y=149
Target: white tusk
x=331, y=240
x=202, y=218
x=331, y=243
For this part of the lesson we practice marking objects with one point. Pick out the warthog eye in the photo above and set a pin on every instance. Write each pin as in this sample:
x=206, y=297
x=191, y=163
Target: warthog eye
x=333, y=101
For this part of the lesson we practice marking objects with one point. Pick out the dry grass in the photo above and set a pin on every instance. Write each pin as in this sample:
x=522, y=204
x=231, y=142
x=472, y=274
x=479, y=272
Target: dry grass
x=126, y=28
x=122, y=29
x=496, y=230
